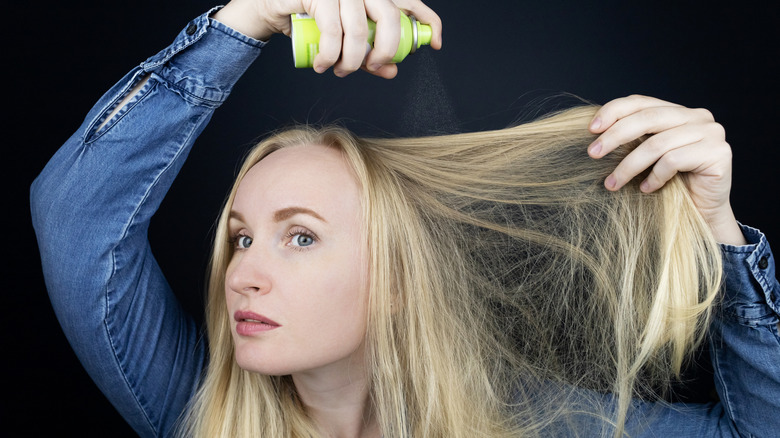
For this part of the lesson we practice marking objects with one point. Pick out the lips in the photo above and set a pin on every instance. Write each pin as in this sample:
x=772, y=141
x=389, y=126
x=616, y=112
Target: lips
x=250, y=323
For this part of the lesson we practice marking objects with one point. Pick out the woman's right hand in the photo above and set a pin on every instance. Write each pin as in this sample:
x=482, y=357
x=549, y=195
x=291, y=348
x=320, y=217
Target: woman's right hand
x=343, y=28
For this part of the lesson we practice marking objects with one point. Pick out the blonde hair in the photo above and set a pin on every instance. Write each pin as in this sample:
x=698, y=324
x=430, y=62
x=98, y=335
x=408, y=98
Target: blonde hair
x=507, y=286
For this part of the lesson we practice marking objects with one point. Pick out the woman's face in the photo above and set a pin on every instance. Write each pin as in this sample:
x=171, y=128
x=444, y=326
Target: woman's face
x=296, y=286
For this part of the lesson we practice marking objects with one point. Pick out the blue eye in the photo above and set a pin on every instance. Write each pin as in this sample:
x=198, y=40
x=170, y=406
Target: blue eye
x=243, y=242
x=301, y=240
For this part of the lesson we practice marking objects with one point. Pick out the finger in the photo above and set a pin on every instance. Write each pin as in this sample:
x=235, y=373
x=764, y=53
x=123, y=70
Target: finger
x=388, y=33
x=616, y=109
x=651, y=151
x=646, y=121
x=387, y=71
x=425, y=15
x=676, y=161
x=710, y=157
x=703, y=158
x=355, y=29
x=326, y=15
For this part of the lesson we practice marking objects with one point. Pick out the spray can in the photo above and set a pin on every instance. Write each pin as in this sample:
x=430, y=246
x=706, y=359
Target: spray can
x=306, y=38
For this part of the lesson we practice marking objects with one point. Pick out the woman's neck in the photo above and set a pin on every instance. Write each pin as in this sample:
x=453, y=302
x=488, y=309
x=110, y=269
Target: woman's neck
x=338, y=400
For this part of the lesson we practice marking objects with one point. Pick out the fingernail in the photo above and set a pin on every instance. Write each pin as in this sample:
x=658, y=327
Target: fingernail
x=374, y=67
x=319, y=69
x=645, y=186
x=611, y=182
x=595, y=148
x=595, y=124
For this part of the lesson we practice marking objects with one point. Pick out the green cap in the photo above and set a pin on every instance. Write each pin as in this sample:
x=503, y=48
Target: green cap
x=424, y=34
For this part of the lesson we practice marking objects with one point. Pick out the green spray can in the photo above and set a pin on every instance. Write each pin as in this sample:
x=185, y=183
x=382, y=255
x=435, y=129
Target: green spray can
x=306, y=38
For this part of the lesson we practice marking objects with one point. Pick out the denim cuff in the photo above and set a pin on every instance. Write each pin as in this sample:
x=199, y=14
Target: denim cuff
x=205, y=60
x=751, y=294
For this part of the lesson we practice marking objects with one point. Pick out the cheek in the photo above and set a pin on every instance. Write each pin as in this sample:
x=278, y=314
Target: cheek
x=340, y=306
x=337, y=304
x=356, y=303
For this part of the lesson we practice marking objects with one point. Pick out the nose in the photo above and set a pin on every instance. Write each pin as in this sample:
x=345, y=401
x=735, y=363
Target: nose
x=246, y=274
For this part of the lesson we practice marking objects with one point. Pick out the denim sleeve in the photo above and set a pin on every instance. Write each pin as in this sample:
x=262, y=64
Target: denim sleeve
x=91, y=207
x=745, y=345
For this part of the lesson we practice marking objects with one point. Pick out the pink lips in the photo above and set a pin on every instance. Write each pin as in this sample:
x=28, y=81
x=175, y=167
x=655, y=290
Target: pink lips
x=249, y=323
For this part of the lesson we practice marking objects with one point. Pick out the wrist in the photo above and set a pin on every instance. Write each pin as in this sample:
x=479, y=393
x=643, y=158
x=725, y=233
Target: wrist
x=725, y=228
x=244, y=17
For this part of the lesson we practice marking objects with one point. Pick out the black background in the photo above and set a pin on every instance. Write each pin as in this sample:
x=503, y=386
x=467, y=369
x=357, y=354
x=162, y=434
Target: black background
x=503, y=61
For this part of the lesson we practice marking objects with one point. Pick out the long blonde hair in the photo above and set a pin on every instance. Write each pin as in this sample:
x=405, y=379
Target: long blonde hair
x=506, y=287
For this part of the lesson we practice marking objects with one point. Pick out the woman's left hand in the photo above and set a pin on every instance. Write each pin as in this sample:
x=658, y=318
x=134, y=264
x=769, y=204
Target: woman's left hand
x=682, y=140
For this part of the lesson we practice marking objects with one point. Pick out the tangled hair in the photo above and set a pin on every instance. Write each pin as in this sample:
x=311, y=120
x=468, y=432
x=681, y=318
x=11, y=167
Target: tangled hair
x=508, y=288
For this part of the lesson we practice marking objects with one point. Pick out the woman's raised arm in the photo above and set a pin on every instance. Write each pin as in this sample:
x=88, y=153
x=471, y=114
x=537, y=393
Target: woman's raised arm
x=92, y=204
x=91, y=207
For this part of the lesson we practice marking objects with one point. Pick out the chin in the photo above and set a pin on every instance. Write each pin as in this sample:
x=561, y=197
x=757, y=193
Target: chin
x=265, y=369
x=256, y=362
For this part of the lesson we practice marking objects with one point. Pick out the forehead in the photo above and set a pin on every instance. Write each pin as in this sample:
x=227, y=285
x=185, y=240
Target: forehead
x=310, y=176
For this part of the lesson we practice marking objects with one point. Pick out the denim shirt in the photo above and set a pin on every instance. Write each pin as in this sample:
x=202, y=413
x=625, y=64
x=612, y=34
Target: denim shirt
x=91, y=208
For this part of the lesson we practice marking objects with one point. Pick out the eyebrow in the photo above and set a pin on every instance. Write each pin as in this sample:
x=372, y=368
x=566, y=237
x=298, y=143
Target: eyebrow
x=282, y=214
x=289, y=212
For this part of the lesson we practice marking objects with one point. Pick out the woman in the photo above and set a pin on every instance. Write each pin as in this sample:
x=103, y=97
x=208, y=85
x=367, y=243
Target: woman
x=405, y=327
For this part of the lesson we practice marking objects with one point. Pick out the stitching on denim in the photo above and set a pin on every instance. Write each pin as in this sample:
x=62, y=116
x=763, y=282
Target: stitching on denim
x=93, y=133
x=725, y=398
x=218, y=26
x=119, y=362
x=131, y=220
x=179, y=44
x=189, y=97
